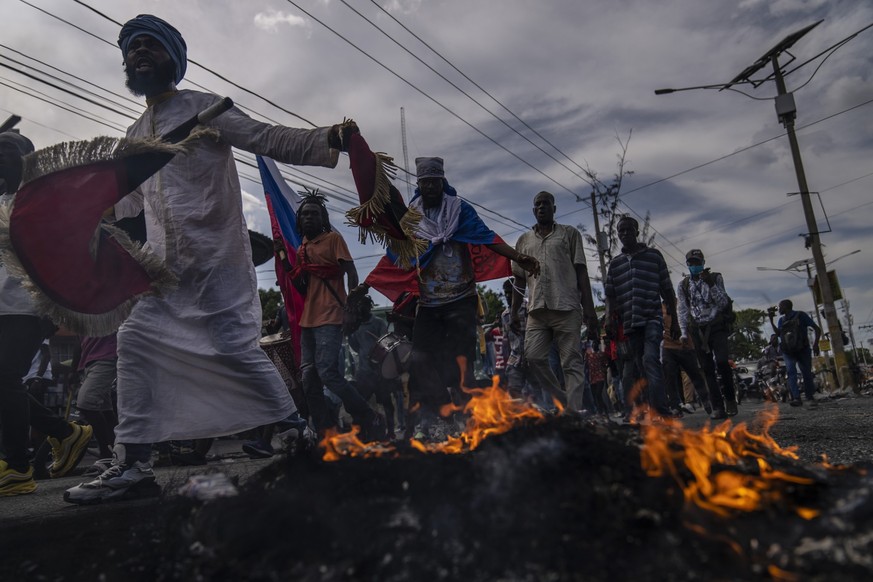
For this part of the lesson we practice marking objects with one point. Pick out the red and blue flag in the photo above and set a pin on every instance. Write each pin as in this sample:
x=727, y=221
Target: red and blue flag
x=282, y=204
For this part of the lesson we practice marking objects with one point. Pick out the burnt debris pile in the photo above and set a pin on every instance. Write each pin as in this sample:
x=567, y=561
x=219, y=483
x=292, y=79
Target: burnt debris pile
x=563, y=499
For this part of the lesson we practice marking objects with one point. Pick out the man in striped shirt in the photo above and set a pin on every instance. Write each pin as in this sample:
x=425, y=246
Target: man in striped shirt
x=636, y=282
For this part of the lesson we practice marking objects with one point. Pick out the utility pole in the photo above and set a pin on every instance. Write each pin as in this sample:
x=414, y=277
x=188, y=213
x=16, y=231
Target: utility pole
x=600, y=238
x=869, y=342
x=828, y=374
x=849, y=323
x=405, y=152
x=786, y=112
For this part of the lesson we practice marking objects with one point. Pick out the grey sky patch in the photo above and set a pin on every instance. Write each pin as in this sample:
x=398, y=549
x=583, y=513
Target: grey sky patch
x=578, y=72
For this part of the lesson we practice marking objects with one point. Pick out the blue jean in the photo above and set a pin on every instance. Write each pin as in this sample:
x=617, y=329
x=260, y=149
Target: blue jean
x=319, y=365
x=645, y=347
x=803, y=360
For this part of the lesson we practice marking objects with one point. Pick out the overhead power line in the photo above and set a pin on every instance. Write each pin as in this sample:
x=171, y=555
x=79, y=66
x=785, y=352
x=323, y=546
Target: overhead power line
x=62, y=105
x=745, y=149
x=467, y=95
x=430, y=98
x=477, y=85
x=137, y=105
x=784, y=232
x=63, y=90
x=212, y=71
x=102, y=15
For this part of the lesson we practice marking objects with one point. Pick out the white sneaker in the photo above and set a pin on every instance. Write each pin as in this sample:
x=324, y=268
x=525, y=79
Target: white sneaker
x=687, y=408
x=116, y=483
x=98, y=468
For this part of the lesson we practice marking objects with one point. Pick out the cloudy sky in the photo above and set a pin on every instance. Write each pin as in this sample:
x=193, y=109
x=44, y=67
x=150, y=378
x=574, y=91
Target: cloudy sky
x=517, y=96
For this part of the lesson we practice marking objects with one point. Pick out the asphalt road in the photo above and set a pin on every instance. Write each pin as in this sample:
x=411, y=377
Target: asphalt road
x=841, y=428
x=47, y=502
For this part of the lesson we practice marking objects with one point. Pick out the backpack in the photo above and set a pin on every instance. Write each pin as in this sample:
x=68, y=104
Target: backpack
x=792, y=335
x=727, y=317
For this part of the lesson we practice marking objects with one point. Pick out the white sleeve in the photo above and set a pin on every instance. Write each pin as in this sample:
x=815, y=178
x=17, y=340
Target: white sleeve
x=302, y=147
x=682, y=307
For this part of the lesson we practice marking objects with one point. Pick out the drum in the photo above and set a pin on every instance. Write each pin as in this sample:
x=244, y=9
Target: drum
x=390, y=355
x=281, y=352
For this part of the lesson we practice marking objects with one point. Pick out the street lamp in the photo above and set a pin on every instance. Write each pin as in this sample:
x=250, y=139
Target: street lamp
x=802, y=264
x=786, y=112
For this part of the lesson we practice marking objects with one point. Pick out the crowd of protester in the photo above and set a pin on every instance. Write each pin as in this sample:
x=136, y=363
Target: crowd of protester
x=189, y=365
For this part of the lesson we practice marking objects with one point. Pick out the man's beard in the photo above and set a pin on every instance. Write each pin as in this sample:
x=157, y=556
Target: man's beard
x=10, y=170
x=151, y=84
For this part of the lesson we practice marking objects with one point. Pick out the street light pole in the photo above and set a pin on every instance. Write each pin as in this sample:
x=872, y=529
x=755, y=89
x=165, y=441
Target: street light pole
x=786, y=112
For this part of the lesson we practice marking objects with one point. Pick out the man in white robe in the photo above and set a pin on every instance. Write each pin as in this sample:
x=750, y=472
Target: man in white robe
x=189, y=362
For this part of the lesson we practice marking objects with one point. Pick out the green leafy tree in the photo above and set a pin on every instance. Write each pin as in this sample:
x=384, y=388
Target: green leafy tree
x=493, y=302
x=606, y=205
x=270, y=300
x=748, y=338
x=606, y=200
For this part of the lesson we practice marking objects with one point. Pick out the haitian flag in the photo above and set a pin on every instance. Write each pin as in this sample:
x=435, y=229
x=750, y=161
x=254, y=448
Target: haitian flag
x=391, y=281
x=282, y=204
x=384, y=217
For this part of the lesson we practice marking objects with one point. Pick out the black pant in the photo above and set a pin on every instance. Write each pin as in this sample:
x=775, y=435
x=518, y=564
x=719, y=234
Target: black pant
x=711, y=345
x=680, y=360
x=368, y=383
x=441, y=334
x=20, y=338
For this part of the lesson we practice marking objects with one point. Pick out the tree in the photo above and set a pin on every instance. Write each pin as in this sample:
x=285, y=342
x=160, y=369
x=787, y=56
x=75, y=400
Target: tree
x=748, y=339
x=270, y=300
x=606, y=205
x=493, y=303
x=606, y=200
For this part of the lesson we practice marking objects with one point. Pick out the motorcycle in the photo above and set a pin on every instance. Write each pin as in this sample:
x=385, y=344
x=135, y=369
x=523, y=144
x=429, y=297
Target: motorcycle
x=772, y=378
x=745, y=385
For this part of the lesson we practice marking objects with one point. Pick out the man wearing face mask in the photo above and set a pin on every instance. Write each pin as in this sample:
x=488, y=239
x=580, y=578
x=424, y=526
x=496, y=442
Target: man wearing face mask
x=703, y=306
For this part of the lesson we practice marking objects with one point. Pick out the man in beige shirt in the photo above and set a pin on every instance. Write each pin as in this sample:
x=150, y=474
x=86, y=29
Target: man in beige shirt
x=558, y=301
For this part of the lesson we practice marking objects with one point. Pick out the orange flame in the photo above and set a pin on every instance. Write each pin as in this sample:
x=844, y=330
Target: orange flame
x=490, y=411
x=338, y=445
x=777, y=573
x=728, y=465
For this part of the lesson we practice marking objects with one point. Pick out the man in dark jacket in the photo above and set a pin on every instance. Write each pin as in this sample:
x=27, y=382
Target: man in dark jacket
x=796, y=350
x=636, y=282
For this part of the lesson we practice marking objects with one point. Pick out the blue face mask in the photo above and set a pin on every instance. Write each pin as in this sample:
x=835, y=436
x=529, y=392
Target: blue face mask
x=695, y=269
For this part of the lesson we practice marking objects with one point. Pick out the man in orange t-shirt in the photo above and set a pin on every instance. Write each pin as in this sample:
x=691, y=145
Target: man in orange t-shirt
x=323, y=261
